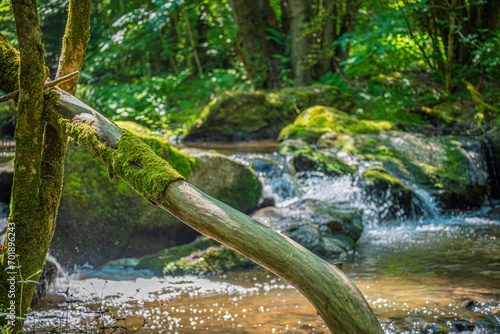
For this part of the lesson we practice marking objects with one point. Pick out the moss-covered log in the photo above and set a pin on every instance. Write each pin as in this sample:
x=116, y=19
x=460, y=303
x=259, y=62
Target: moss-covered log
x=338, y=301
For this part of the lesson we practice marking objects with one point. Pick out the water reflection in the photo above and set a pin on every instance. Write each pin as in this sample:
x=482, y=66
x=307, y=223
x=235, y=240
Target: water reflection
x=416, y=275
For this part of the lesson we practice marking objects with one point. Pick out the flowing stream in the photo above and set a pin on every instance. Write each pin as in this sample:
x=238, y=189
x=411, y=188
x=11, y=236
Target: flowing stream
x=437, y=274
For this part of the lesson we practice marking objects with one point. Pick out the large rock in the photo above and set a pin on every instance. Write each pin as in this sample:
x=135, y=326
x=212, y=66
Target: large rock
x=101, y=219
x=450, y=168
x=230, y=182
x=243, y=116
x=323, y=228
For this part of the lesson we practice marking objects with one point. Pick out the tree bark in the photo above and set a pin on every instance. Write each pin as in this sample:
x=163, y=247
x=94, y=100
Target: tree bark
x=39, y=162
x=191, y=40
x=26, y=244
x=300, y=42
x=254, y=19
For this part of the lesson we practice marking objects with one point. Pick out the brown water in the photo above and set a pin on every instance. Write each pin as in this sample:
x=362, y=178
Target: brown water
x=412, y=274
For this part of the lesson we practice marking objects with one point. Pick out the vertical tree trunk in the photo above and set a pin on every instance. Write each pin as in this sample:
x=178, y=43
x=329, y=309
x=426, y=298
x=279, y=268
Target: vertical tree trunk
x=254, y=20
x=450, y=46
x=191, y=40
x=26, y=243
x=39, y=161
x=300, y=42
x=329, y=36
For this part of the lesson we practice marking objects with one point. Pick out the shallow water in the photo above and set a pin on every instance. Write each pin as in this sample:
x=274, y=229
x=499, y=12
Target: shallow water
x=417, y=275
x=411, y=273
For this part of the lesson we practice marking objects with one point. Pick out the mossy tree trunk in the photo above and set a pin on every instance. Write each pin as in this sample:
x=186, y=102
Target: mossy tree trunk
x=25, y=245
x=40, y=151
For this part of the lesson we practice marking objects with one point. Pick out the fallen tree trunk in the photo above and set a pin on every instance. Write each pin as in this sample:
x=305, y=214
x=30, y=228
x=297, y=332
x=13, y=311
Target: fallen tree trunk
x=336, y=298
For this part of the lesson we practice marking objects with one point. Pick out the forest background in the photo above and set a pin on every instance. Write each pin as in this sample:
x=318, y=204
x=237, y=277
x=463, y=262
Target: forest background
x=159, y=62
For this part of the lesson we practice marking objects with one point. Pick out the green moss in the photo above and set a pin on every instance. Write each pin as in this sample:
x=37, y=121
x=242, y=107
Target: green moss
x=211, y=260
x=180, y=161
x=156, y=262
x=317, y=120
x=260, y=115
x=381, y=177
x=133, y=160
x=9, y=58
x=478, y=98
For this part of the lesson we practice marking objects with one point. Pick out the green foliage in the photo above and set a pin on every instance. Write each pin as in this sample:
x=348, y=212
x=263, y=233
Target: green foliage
x=163, y=103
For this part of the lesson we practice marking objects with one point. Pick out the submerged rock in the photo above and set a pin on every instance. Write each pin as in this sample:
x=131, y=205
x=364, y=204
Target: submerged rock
x=243, y=116
x=101, y=219
x=323, y=228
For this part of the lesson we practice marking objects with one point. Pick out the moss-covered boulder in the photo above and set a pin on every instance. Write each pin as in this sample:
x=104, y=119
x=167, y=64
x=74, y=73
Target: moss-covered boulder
x=227, y=180
x=242, y=116
x=450, y=168
x=214, y=259
x=323, y=228
x=315, y=121
x=305, y=158
x=117, y=222
x=200, y=257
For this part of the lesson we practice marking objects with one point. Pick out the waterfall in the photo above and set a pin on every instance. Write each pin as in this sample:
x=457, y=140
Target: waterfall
x=492, y=168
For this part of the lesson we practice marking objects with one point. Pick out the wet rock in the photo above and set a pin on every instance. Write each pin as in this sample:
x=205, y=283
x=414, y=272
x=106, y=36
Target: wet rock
x=243, y=116
x=390, y=193
x=460, y=326
x=279, y=178
x=266, y=202
x=200, y=257
x=49, y=273
x=468, y=304
x=212, y=260
x=323, y=228
x=306, y=158
x=450, y=168
x=431, y=328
